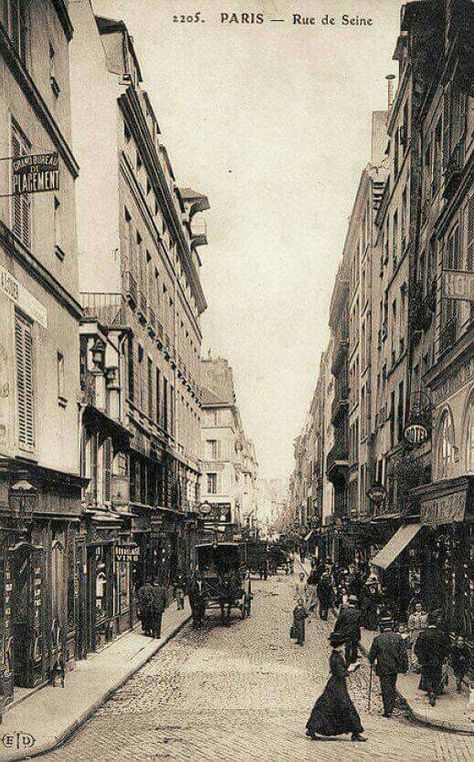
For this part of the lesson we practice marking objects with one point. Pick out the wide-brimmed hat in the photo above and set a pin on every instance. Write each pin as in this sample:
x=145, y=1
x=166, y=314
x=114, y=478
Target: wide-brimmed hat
x=353, y=599
x=336, y=639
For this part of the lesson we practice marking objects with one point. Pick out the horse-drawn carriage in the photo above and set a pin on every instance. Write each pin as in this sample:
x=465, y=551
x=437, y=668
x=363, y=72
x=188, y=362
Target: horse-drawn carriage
x=222, y=569
x=257, y=558
x=279, y=559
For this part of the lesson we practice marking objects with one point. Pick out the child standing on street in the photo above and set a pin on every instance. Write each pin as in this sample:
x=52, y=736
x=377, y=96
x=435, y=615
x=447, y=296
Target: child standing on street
x=299, y=616
x=460, y=658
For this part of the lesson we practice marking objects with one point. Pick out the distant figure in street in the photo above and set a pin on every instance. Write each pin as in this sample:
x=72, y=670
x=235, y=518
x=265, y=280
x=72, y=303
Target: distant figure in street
x=300, y=587
x=417, y=621
x=369, y=605
x=144, y=607
x=157, y=607
x=302, y=553
x=334, y=713
x=196, y=599
x=389, y=655
x=460, y=658
x=324, y=590
x=431, y=650
x=348, y=627
x=299, y=616
x=179, y=591
x=312, y=593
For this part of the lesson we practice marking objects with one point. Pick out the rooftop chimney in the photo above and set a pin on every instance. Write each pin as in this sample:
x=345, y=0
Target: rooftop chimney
x=389, y=78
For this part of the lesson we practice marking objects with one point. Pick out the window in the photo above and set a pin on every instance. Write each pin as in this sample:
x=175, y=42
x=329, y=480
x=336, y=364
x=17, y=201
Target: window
x=131, y=370
x=157, y=397
x=14, y=21
x=446, y=448
x=400, y=413
x=165, y=404
x=395, y=239
x=211, y=449
x=150, y=388
x=212, y=484
x=58, y=248
x=141, y=380
x=61, y=381
x=24, y=374
x=21, y=203
x=52, y=72
x=126, y=133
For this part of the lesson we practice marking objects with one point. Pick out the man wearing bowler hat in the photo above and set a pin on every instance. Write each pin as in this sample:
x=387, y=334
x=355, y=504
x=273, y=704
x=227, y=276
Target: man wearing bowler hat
x=389, y=654
x=348, y=626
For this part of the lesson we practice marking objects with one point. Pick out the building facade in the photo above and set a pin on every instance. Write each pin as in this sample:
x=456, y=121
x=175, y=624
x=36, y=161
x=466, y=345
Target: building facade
x=139, y=270
x=229, y=464
x=40, y=485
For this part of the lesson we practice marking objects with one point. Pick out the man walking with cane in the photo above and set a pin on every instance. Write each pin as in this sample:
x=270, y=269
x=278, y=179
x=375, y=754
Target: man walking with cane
x=389, y=654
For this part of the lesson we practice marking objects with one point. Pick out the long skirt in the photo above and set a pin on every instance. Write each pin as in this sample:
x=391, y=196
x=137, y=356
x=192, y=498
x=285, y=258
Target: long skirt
x=334, y=713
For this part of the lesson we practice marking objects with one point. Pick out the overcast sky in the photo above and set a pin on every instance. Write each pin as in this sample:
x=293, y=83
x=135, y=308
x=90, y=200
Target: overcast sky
x=272, y=122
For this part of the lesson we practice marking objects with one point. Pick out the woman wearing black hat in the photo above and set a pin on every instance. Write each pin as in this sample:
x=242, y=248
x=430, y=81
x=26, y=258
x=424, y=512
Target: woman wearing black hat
x=334, y=713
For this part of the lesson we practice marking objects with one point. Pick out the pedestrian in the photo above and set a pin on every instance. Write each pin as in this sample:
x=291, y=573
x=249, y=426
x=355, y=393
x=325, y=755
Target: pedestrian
x=325, y=594
x=460, y=658
x=144, y=606
x=158, y=605
x=431, y=650
x=348, y=626
x=299, y=616
x=302, y=553
x=300, y=587
x=196, y=599
x=179, y=591
x=311, y=592
x=334, y=714
x=370, y=600
x=406, y=637
x=417, y=621
x=389, y=655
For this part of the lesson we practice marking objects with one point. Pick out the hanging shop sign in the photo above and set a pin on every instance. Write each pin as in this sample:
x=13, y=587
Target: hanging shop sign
x=38, y=173
x=20, y=296
x=458, y=284
x=377, y=493
x=128, y=553
x=219, y=513
x=415, y=434
x=444, y=509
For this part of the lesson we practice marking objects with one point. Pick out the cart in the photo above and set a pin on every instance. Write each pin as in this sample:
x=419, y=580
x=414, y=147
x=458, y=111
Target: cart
x=257, y=558
x=279, y=559
x=222, y=569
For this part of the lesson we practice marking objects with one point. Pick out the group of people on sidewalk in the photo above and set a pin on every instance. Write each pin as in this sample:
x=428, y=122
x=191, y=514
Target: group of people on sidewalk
x=417, y=642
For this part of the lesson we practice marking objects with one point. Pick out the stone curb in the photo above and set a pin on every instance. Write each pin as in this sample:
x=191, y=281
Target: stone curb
x=56, y=741
x=414, y=716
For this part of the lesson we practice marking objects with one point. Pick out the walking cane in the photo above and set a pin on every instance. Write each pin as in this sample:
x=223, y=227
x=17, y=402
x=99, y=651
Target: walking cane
x=370, y=688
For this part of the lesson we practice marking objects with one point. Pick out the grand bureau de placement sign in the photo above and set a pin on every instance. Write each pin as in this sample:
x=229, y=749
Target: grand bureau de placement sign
x=37, y=173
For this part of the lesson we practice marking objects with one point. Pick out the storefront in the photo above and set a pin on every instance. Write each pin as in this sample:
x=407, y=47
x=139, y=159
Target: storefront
x=447, y=557
x=111, y=554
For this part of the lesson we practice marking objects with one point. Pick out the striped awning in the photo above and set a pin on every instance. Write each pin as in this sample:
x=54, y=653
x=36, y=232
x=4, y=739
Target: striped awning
x=395, y=545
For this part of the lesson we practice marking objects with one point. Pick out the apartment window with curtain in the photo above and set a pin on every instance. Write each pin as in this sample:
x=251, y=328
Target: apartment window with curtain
x=21, y=203
x=24, y=376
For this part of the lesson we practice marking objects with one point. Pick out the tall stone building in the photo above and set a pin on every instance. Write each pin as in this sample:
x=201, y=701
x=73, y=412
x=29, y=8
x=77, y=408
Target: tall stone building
x=229, y=463
x=139, y=269
x=40, y=485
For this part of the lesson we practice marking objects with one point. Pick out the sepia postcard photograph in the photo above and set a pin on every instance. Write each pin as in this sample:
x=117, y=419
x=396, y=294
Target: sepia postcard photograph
x=237, y=380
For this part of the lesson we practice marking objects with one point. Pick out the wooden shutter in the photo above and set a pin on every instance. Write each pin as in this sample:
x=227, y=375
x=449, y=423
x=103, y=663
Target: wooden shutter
x=107, y=464
x=21, y=209
x=24, y=365
x=469, y=223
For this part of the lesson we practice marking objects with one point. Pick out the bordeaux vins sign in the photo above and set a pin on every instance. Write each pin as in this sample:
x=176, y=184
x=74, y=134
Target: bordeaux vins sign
x=37, y=173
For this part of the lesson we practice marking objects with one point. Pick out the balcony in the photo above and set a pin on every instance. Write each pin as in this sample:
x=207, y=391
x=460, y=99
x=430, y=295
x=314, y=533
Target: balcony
x=454, y=167
x=104, y=306
x=151, y=322
x=337, y=463
x=448, y=335
x=131, y=289
x=340, y=404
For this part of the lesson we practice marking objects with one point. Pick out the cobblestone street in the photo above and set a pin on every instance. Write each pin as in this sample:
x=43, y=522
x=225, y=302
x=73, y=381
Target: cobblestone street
x=244, y=693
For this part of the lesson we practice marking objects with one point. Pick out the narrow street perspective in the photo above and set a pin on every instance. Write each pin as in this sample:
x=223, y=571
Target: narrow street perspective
x=244, y=692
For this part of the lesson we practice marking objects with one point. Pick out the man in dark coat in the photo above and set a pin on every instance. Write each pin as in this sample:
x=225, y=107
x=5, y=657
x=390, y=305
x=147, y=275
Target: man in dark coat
x=348, y=626
x=388, y=652
x=324, y=591
x=158, y=605
x=431, y=649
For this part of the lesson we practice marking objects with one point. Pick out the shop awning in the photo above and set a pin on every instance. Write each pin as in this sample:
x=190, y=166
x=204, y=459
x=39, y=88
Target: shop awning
x=395, y=545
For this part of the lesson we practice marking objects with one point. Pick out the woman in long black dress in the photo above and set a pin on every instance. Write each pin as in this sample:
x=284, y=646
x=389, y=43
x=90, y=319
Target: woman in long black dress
x=334, y=713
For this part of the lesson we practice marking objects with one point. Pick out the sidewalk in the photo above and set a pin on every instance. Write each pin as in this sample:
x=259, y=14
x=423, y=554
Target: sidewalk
x=450, y=708
x=51, y=715
x=449, y=712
